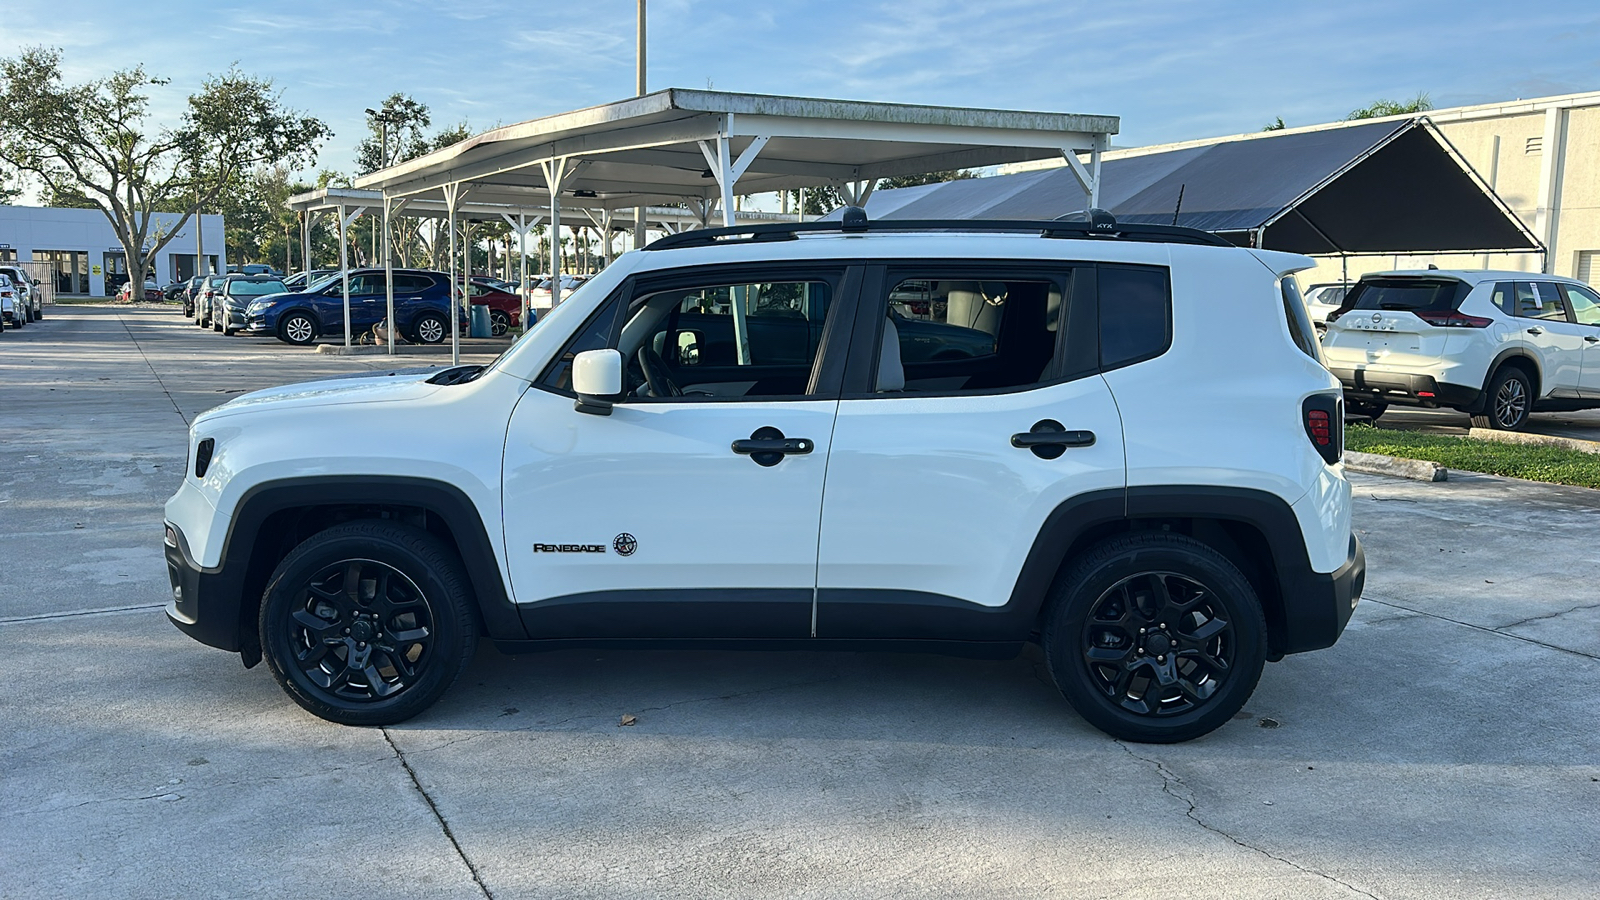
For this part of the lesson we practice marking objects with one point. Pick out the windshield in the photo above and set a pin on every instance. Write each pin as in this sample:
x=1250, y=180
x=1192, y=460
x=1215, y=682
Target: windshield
x=322, y=283
x=1407, y=294
x=255, y=288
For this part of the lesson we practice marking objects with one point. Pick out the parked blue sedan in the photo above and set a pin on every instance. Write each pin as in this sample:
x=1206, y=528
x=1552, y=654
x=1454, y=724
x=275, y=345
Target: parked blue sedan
x=421, y=308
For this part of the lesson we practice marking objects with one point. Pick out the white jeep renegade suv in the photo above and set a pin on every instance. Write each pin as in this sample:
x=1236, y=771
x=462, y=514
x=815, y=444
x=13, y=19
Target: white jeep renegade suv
x=1495, y=345
x=1116, y=441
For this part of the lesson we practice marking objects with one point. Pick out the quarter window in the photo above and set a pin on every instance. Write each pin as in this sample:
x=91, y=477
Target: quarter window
x=1135, y=314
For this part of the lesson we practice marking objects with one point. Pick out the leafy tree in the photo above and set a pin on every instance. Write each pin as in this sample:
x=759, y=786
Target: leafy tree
x=905, y=181
x=405, y=118
x=95, y=140
x=10, y=186
x=1419, y=103
x=1275, y=125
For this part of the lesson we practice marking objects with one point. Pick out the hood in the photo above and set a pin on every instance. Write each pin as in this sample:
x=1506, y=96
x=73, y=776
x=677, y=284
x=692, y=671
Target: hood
x=275, y=298
x=393, y=386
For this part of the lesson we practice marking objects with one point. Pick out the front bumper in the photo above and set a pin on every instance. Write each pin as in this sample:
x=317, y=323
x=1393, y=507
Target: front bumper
x=1317, y=606
x=204, y=605
x=1366, y=385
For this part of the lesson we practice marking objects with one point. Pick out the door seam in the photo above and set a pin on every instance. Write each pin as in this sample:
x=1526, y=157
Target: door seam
x=822, y=502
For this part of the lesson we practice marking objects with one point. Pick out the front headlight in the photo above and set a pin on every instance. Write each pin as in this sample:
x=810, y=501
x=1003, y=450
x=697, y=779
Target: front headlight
x=255, y=308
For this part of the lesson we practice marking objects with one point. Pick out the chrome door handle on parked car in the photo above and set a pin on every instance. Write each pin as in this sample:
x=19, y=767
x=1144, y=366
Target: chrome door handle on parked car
x=1049, y=439
x=767, y=446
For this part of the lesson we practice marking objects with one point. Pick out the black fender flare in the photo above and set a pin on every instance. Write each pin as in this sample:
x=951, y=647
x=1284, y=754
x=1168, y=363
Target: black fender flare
x=446, y=501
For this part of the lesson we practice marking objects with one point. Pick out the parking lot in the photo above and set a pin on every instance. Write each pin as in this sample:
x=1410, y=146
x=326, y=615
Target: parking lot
x=1446, y=747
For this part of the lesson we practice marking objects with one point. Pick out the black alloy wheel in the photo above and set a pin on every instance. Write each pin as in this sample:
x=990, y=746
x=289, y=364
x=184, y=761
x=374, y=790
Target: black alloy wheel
x=298, y=329
x=1155, y=637
x=499, y=322
x=1508, y=401
x=368, y=623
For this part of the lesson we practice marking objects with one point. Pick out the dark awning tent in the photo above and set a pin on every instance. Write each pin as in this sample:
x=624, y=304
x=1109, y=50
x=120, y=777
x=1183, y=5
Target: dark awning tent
x=1378, y=187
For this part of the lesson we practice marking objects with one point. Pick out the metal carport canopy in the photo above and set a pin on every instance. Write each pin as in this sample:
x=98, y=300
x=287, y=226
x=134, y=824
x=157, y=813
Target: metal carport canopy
x=679, y=144
x=1379, y=187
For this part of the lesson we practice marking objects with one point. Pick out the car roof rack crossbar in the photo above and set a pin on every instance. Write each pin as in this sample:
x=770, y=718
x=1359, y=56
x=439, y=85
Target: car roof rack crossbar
x=1100, y=226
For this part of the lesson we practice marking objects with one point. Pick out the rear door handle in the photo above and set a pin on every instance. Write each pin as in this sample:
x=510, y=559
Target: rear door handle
x=1049, y=439
x=767, y=446
x=1536, y=330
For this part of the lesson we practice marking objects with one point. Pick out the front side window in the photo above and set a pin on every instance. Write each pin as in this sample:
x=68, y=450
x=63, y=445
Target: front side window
x=979, y=330
x=721, y=340
x=1585, y=304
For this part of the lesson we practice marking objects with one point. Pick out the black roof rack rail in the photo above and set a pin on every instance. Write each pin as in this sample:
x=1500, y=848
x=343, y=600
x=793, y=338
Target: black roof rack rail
x=1100, y=226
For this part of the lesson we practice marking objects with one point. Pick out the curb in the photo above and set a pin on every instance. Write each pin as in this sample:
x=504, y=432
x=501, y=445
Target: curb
x=1534, y=440
x=1378, y=464
x=353, y=349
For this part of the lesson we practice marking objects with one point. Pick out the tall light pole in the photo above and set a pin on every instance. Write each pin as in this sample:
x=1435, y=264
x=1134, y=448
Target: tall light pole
x=638, y=211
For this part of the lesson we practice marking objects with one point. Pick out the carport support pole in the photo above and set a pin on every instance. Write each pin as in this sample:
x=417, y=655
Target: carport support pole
x=344, y=272
x=522, y=267
x=451, y=192
x=555, y=172
x=388, y=279
x=305, y=243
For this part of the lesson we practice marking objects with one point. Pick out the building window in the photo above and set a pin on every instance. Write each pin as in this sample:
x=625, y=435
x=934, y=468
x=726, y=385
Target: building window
x=71, y=269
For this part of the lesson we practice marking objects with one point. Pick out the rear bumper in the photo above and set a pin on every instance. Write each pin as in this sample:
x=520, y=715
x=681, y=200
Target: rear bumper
x=1406, y=389
x=1317, y=606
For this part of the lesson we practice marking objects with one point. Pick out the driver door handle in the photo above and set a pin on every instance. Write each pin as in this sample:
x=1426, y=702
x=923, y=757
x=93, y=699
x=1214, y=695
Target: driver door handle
x=767, y=446
x=1591, y=339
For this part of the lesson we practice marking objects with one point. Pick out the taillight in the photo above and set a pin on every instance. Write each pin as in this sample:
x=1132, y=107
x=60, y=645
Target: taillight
x=1444, y=319
x=1323, y=417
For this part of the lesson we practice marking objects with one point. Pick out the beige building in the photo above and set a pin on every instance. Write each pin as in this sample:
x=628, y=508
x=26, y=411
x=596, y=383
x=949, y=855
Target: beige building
x=1541, y=156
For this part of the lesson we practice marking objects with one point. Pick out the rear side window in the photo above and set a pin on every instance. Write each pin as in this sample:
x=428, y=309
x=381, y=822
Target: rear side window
x=412, y=284
x=1539, y=300
x=1408, y=294
x=1135, y=314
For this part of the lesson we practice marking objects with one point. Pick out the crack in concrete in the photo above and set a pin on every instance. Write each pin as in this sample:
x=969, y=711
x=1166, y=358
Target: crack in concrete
x=437, y=815
x=1554, y=615
x=1369, y=598
x=163, y=385
x=79, y=613
x=1169, y=778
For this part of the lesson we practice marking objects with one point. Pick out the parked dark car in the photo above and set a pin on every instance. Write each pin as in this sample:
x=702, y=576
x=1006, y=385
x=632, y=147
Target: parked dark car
x=421, y=307
x=236, y=294
x=297, y=282
x=187, y=295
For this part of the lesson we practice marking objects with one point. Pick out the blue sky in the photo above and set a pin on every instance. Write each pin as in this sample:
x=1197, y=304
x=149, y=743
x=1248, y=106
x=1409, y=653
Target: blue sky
x=1171, y=70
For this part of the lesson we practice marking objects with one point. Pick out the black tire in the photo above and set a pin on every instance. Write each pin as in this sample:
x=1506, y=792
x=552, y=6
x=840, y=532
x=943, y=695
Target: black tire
x=297, y=328
x=429, y=328
x=1507, y=402
x=216, y=323
x=1183, y=595
x=418, y=622
x=19, y=318
x=499, y=323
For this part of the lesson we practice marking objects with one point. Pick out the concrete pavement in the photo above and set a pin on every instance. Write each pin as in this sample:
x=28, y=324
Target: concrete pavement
x=1444, y=748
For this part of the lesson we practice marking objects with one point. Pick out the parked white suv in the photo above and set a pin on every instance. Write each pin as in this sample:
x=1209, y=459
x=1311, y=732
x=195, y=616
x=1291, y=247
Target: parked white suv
x=1495, y=345
x=28, y=297
x=957, y=439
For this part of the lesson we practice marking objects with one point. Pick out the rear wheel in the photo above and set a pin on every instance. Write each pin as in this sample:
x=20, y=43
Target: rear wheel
x=1155, y=637
x=499, y=322
x=1508, y=401
x=429, y=329
x=298, y=329
x=368, y=623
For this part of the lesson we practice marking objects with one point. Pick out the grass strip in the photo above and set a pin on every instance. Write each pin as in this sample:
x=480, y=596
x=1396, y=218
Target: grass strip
x=1556, y=465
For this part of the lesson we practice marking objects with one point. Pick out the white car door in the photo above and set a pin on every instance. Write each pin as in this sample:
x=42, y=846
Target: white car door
x=1585, y=305
x=691, y=515
x=1558, y=342
x=972, y=412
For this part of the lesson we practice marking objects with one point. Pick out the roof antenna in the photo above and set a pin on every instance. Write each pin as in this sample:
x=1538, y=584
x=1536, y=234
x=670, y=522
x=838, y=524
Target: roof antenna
x=855, y=219
x=1179, y=205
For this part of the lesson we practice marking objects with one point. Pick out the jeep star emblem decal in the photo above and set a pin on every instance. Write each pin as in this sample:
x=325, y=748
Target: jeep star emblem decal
x=625, y=544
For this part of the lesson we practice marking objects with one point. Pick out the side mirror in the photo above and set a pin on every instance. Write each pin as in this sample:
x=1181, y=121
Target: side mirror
x=687, y=346
x=597, y=380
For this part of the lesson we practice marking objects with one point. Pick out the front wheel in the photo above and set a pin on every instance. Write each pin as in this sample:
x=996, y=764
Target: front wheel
x=429, y=329
x=298, y=329
x=368, y=623
x=1508, y=403
x=1155, y=637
